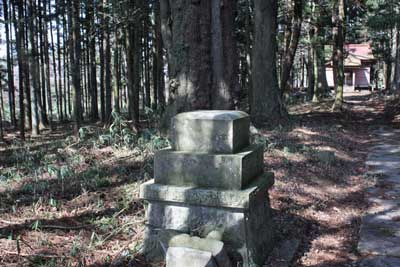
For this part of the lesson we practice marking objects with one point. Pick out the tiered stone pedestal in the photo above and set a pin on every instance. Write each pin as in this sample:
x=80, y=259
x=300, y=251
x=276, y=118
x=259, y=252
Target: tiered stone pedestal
x=212, y=179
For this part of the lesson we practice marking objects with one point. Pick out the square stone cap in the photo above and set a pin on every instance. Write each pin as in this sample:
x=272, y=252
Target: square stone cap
x=210, y=131
x=236, y=199
x=215, y=115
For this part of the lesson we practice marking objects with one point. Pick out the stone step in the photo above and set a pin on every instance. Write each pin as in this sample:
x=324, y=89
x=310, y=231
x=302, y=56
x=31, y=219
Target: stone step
x=211, y=131
x=210, y=197
x=225, y=171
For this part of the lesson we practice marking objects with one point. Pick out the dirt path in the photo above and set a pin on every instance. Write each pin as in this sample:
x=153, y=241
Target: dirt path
x=319, y=199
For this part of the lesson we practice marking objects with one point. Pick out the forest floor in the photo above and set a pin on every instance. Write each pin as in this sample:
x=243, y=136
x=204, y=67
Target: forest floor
x=74, y=203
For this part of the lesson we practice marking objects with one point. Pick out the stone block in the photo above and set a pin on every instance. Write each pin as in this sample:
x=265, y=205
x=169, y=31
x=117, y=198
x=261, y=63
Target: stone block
x=225, y=171
x=216, y=235
x=245, y=221
x=215, y=247
x=185, y=257
x=248, y=235
x=210, y=131
x=211, y=197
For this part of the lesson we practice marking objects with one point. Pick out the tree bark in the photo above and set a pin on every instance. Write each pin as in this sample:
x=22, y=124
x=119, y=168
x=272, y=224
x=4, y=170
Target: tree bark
x=159, y=81
x=107, y=61
x=292, y=43
x=94, y=110
x=60, y=86
x=75, y=54
x=20, y=45
x=1, y=113
x=10, y=69
x=338, y=51
x=47, y=66
x=53, y=55
x=202, y=56
x=266, y=102
x=42, y=99
x=130, y=52
x=321, y=84
x=35, y=84
x=396, y=79
x=102, y=68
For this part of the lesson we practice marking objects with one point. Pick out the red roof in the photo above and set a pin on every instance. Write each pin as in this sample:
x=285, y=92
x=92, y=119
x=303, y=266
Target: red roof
x=360, y=51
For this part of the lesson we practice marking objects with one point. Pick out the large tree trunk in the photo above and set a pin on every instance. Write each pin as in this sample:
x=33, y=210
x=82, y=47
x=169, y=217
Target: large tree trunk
x=225, y=86
x=266, y=102
x=187, y=34
x=203, y=68
x=338, y=51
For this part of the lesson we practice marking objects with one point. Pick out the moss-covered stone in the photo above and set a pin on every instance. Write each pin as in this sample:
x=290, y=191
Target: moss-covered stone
x=211, y=131
x=225, y=171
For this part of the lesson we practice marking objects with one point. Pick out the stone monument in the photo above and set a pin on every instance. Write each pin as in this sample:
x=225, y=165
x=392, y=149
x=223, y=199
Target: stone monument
x=211, y=179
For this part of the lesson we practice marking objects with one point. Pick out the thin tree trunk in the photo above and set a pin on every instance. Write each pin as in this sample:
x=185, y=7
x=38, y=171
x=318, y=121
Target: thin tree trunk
x=338, y=51
x=43, y=98
x=75, y=55
x=53, y=53
x=60, y=86
x=27, y=91
x=20, y=45
x=67, y=105
x=292, y=43
x=396, y=79
x=132, y=109
x=146, y=59
x=107, y=61
x=310, y=71
x=159, y=84
x=35, y=84
x=10, y=69
x=94, y=112
x=47, y=67
x=102, y=69
x=117, y=73
x=1, y=112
